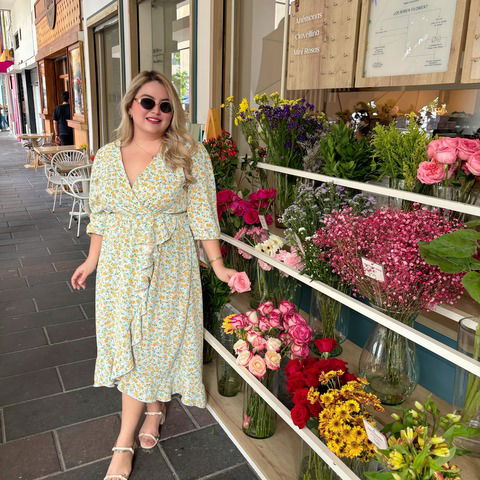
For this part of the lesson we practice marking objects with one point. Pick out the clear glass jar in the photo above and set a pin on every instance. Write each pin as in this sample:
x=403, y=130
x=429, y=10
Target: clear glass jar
x=466, y=395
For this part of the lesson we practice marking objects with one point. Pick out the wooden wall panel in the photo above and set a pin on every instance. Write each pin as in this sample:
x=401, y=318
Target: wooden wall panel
x=471, y=59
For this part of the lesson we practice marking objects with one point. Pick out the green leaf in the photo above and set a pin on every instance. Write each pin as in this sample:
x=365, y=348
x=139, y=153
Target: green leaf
x=446, y=264
x=458, y=244
x=420, y=458
x=471, y=282
x=378, y=475
x=473, y=223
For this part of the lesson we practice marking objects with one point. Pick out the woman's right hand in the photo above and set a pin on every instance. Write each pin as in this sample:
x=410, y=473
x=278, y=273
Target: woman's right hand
x=79, y=277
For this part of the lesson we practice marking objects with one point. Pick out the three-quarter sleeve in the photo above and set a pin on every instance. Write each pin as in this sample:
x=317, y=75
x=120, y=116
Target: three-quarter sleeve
x=95, y=198
x=202, y=199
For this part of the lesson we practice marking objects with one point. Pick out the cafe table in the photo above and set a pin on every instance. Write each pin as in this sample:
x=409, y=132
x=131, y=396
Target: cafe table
x=34, y=138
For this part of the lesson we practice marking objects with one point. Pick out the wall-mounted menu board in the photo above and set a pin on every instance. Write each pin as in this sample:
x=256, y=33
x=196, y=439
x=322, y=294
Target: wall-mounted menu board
x=471, y=59
x=409, y=42
x=322, y=44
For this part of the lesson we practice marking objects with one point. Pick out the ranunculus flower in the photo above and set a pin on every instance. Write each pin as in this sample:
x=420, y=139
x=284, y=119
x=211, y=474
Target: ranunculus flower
x=274, y=344
x=300, y=415
x=473, y=164
x=467, y=147
x=300, y=351
x=251, y=216
x=243, y=358
x=252, y=316
x=272, y=360
x=266, y=308
x=286, y=307
x=257, y=366
x=240, y=346
x=238, y=321
x=325, y=345
x=275, y=318
x=430, y=173
x=239, y=282
x=301, y=333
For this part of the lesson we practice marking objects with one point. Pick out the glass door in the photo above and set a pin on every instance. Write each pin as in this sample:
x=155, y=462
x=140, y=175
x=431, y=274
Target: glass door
x=108, y=73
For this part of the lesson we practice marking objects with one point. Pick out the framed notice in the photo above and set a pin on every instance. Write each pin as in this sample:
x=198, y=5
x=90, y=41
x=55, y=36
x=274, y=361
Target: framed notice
x=471, y=59
x=409, y=42
x=322, y=44
x=76, y=75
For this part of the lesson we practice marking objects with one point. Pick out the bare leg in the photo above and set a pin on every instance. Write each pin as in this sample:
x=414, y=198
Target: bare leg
x=132, y=409
x=152, y=422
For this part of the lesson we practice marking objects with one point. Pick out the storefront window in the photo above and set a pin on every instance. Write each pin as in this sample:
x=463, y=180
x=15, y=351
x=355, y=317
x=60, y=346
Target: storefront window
x=108, y=69
x=164, y=42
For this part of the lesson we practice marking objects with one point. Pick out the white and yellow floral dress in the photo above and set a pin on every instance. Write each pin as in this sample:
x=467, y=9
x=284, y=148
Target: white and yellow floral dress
x=148, y=292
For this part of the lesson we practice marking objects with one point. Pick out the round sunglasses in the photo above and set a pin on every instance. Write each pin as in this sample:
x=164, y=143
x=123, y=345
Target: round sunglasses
x=149, y=103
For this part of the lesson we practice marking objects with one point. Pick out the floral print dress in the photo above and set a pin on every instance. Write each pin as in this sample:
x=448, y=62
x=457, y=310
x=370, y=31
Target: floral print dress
x=148, y=292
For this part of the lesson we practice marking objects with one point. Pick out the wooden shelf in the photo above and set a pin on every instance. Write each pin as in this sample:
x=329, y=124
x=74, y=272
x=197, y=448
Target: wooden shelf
x=272, y=458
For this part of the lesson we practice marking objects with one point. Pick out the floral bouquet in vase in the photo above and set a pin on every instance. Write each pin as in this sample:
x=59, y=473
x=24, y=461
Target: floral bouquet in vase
x=378, y=256
x=453, y=168
x=265, y=335
x=333, y=403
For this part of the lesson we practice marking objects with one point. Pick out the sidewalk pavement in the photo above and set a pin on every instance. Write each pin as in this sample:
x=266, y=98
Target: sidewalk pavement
x=54, y=424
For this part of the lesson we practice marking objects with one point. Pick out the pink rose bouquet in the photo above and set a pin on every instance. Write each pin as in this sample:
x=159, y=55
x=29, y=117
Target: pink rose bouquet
x=239, y=283
x=453, y=162
x=265, y=336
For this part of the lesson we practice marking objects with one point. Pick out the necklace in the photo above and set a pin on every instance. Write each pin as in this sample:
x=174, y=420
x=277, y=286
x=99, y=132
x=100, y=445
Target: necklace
x=146, y=151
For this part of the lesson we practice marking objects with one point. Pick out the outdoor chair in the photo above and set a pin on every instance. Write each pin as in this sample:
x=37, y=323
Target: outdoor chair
x=78, y=188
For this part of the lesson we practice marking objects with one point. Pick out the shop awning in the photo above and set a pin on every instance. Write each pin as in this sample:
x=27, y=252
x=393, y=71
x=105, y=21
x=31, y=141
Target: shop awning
x=4, y=66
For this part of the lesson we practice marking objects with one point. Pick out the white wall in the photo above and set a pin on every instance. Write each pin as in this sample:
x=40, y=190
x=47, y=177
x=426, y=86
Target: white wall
x=91, y=7
x=23, y=20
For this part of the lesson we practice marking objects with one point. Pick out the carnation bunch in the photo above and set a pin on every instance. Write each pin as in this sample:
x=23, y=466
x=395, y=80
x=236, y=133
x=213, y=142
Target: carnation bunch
x=421, y=444
x=389, y=238
x=267, y=334
x=333, y=401
x=453, y=161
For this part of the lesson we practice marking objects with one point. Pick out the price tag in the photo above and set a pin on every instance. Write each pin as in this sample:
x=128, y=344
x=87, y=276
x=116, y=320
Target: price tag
x=299, y=243
x=263, y=222
x=373, y=270
x=375, y=436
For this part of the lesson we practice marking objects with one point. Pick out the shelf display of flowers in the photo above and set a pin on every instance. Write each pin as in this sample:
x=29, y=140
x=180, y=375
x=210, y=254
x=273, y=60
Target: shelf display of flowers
x=421, y=444
x=302, y=219
x=378, y=257
x=283, y=126
x=271, y=283
x=223, y=152
x=453, y=168
x=333, y=403
x=265, y=336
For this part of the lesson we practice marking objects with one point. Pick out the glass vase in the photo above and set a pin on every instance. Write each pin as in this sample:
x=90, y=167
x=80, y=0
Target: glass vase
x=327, y=319
x=229, y=382
x=389, y=362
x=259, y=419
x=466, y=396
x=208, y=352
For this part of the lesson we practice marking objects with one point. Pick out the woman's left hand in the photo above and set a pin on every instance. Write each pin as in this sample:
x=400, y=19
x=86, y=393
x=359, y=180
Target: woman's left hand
x=223, y=273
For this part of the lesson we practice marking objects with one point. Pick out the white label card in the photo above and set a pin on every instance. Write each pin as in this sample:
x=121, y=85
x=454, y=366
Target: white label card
x=263, y=222
x=373, y=270
x=375, y=436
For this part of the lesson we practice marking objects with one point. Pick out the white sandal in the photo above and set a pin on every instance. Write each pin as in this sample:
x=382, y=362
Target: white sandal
x=155, y=438
x=119, y=476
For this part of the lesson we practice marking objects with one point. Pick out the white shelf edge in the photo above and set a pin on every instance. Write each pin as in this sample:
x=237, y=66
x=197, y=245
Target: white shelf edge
x=236, y=442
x=448, y=353
x=451, y=312
x=385, y=191
x=305, y=434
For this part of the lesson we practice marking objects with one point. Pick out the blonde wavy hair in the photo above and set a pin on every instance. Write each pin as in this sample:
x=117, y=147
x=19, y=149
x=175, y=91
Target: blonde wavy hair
x=177, y=146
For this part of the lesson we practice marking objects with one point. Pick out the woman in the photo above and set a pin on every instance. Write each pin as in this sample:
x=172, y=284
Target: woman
x=152, y=194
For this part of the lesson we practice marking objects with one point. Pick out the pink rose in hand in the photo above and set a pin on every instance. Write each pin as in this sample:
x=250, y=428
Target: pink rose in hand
x=244, y=357
x=257, y=366
x=239, y=282
x=430, y=173
x=272, y=360
x=467, y=147
x=473, y=164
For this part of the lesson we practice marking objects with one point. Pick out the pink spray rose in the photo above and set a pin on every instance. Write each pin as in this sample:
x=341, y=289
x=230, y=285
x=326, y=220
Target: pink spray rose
x=467, y=147
x=243, y=358
x=239, y=282
x=473, y=164
x=257, y=366
x=301, y=333
x=273, y=359
x=430, y=173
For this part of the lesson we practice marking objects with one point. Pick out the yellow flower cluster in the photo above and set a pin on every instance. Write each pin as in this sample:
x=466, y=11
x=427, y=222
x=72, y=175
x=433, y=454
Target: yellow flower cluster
x=341, y=420
x=226, y=325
